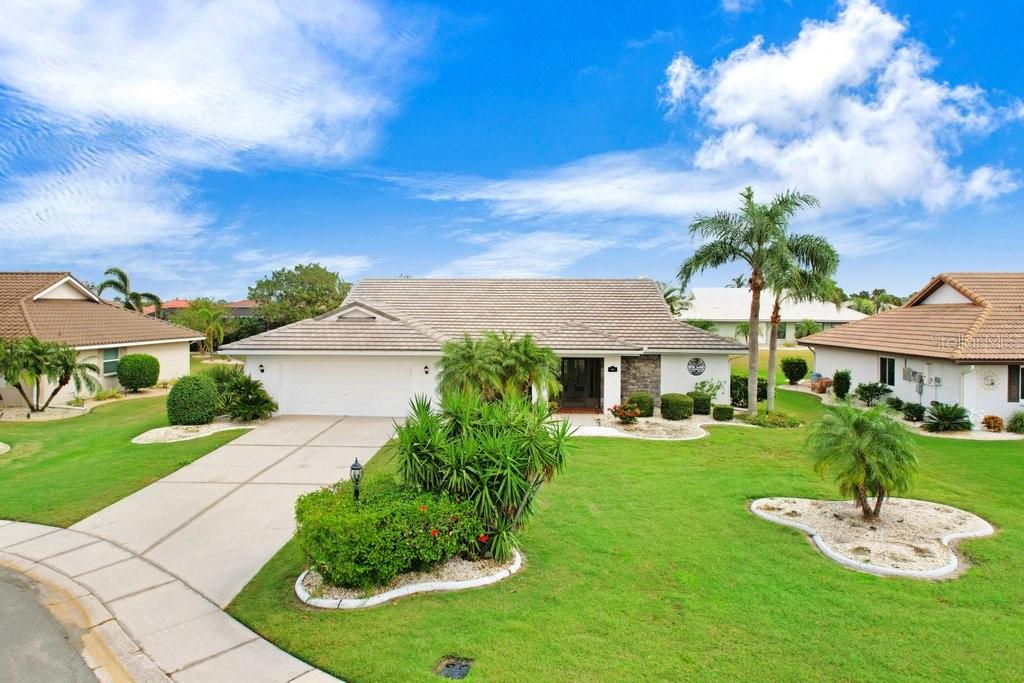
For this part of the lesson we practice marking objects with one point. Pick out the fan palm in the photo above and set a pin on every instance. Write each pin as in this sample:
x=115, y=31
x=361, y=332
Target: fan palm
x=469, y=365
x=805, y=277
x=63, y=367
x=868, y=453
x=756, y=236
x=118, y=281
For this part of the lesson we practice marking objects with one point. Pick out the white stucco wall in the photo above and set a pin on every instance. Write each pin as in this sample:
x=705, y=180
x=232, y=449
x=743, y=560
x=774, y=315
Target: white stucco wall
x=676, y=377
x=612, y=382
x=982, y=389
x=345, y=384
x=728, y=329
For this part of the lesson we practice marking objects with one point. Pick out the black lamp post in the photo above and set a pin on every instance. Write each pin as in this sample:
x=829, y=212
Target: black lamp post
x=356, y=473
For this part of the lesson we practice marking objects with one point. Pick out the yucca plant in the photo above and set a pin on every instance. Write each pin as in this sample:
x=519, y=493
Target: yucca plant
x=946, y=417
x=496, y=454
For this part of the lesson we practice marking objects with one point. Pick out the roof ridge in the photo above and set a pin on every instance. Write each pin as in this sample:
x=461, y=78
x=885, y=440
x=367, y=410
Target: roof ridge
x=407, y=320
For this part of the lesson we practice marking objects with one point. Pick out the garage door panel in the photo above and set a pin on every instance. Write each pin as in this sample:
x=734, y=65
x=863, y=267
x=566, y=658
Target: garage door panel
x=340, y=385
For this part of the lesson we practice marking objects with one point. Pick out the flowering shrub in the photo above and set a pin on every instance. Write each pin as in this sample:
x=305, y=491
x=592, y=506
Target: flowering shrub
x=395, y=529
x=626, y=414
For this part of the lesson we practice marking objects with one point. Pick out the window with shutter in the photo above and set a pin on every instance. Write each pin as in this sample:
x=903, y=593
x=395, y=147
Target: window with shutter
x=1013, y=384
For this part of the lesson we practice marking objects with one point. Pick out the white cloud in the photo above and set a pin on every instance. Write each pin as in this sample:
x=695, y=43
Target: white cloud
x=682, y=78
x=540, y=253
x=260, y=262
x=735, y=6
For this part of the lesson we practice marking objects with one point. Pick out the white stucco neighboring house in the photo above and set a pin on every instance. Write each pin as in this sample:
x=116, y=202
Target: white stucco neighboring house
x=381, y=347
x=727, y=307
x=56, y=307
x=960, y=339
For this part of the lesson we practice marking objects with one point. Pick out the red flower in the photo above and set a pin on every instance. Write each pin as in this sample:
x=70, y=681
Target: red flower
x=423, y=508
x=483, y=538
x=433, y=532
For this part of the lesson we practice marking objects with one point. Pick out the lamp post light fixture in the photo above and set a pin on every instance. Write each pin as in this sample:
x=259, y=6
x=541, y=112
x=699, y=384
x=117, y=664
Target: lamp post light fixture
x=355, y=473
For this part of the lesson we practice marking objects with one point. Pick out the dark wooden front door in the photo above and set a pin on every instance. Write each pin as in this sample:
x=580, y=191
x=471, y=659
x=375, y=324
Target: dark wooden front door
x=581, y=383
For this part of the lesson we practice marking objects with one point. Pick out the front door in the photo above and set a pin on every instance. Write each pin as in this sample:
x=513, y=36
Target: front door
x=581, y=383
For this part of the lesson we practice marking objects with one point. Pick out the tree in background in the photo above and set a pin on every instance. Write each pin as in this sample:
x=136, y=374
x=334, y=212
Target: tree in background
x=742, y=331
x=674, y=297
x=706, y=325
x=210, y=318
x=875, y=301
x=737, y=282
x=118, y=281
x=756, y=236
x=290, y=295
x=805, y=328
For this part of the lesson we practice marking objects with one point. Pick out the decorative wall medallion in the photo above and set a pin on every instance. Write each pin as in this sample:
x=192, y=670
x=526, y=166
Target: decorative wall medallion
x=696, y=366
x=987, y=380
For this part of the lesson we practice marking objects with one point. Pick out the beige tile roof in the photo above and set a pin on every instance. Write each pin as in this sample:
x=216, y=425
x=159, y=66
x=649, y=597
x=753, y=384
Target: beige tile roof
x=989, y=327
x=732, y=304
x=420, y=314
x=77, y=322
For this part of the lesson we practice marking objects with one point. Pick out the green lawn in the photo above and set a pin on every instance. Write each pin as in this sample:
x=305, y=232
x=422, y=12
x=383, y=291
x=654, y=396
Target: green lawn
x=644, y=564
x=59, y=472
x=739, y=363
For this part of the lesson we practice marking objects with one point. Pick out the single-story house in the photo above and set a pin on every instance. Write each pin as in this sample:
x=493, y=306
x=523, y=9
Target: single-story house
x=167, y=308
x=960, y=339
x=56, y=307
x=727, y=307
x=381, y=347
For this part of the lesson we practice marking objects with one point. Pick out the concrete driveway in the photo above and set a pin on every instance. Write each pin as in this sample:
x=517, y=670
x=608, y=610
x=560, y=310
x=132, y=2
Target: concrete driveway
x=215, y=522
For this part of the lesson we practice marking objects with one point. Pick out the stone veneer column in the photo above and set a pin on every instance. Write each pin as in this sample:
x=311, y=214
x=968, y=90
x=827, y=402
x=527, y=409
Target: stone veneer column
x=642, y=373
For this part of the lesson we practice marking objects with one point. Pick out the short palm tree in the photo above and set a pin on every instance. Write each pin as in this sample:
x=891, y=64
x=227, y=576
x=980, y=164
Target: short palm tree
x=64, y=367
x=531, y=366
x=756, y=236
x=13, y=368
x=806, y=277
x=118, y=281
x=469, y=365
x=212, y=318
x=867, y=452
x=742, y=332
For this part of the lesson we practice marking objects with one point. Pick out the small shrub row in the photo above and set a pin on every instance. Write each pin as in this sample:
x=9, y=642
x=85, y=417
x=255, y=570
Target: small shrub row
x=722, y=413
x=676, y=406
x=701, y=402
x=197, y=399
x=771, y=420
x=643, y=401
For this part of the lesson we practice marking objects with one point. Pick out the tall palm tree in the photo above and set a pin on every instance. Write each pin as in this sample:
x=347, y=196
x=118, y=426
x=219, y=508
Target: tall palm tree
x=806, y=277
x=64, y=367
x=469, y=365
x=868, y=452
x=756, y=236
x=118, y=281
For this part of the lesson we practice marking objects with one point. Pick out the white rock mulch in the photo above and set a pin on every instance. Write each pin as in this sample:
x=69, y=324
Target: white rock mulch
x=656, y=428
x=911, y=538
x=455, y=574
x=4, y=447
x=186, y=432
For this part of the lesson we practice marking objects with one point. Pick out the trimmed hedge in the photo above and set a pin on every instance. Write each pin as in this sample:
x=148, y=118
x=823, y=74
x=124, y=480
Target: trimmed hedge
x=722, y=413
x=193, y=401
x=738, y=390
x=395, y=529
x=676, y=406
x=841, y=383
x=138, y=371
x=701, y=402
x=794, y=368
x=643, y=401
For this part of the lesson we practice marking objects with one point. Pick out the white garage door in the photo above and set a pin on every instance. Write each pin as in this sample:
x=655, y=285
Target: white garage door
x=352, y=385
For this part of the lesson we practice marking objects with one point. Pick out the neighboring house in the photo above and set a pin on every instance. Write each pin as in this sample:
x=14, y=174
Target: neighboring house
x=958, y=340
x=58, y=308
x=167, y=308
x=381, y=347
x=246, y=308
x=727, y=307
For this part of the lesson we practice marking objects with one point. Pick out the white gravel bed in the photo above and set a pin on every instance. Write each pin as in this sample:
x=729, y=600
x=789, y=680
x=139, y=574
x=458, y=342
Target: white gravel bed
x=659, y=429
x=4, y=448
x=911, y=538
x=455, y=574
x=186, y=432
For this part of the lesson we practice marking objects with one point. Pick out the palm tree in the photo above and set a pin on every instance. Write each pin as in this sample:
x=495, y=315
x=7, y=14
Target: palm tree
x=13, y=368
x=807, y=277
x=862, y=304
x=64, y=367
x=868, y=452
x=527, y=365
x=675, y=298
x=806, y=328
x=738, y=281
x=742, y=331
x=756, y=235
x=701, y=324
x=135, y=301
x=469, y=365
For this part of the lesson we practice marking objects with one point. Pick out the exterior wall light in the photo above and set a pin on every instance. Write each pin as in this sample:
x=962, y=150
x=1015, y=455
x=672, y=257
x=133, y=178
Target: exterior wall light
x=426, y=369
x=261, y=368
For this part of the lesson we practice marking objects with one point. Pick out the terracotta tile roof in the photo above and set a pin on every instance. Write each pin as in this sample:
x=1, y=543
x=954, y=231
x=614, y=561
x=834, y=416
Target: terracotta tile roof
x=169, y=305
x=78, y=322
x=244, y=303
x=987, y=327
x=420, y=314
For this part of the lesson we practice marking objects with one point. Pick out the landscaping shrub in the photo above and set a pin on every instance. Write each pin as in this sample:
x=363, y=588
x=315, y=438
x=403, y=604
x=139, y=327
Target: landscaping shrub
x=722, y=413
x=794, y=368
x=138, y=371
x=627, y=414
x=771, y=420
x=992, y=423
x=107, y=394
x=701, y=402
x=643, y=401
x=946, y=417
x=738, y=390
x=712, y=387
x=895, y=403
x=495, y=454
x=871, y=392
x=676, y=406
x=841, y=383
x=1016, y=423
x=395, y=529
x=246, y=400
x=913, y=411
x=222, y=375
x=193, y=400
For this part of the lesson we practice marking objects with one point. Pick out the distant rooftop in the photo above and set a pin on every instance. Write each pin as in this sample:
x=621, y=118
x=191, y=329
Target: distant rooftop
x=732, y=304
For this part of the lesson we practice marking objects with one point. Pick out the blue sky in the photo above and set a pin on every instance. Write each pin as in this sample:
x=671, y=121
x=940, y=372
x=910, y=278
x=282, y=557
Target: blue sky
x=200, y=145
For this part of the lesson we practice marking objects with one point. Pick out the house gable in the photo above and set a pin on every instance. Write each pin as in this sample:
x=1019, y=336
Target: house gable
x=67, y=288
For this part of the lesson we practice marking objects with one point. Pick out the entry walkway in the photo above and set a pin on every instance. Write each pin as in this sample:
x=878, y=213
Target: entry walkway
x=155, y=569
